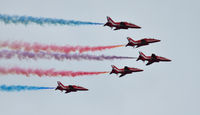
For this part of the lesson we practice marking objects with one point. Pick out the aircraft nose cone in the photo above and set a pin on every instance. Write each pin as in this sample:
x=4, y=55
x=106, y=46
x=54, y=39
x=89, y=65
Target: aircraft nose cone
x=157, y=40
x=84, y=89
x=167, y=59
x=139, y=70
x=137, y=27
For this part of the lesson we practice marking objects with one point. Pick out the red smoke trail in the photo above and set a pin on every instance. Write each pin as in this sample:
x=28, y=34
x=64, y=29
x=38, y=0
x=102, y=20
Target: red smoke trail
x=97, y=48
x=49, y=72
x=17, y=45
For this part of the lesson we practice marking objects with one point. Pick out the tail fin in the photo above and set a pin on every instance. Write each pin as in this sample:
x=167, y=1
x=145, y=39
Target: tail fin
x=142, y=56
x=110, y=20
x=130, y=40
x=114, y=69
x=60, y=84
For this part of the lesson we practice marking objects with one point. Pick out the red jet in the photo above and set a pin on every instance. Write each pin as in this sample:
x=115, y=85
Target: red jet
x=151, y=59
x=124, y=71
x=142, y=42
x=120, y=25
x=69, y=88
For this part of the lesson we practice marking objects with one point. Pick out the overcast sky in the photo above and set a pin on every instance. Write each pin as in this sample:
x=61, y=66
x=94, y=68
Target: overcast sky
x=168, y=88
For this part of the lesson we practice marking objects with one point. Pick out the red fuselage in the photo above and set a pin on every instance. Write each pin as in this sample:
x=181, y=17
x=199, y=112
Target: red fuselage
x=142, y=42
x=69, y=88
x=124, y=71
x=120, y=25
x=151, y=59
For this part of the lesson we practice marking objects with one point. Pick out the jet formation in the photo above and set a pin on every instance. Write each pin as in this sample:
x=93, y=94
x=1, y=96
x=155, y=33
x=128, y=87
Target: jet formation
x=126, y=70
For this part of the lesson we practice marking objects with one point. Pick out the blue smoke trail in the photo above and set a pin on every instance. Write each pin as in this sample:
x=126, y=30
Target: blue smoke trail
x=21, y=88
x=29, y=19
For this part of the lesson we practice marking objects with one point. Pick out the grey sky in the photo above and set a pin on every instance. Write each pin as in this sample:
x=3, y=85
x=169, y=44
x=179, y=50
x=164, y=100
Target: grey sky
x=162, y=89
